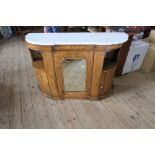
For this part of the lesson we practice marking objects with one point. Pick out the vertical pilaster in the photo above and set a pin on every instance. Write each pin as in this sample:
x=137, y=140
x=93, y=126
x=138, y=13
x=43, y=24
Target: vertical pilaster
x=97, y=72
x=50, y=70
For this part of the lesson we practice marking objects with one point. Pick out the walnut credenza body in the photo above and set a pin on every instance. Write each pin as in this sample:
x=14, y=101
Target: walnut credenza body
x=48, y=54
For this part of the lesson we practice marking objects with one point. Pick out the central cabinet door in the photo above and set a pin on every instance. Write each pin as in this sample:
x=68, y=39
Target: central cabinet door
x=73, y=72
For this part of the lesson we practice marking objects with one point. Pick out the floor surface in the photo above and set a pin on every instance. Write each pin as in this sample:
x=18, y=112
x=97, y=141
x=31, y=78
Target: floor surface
x=130, y=105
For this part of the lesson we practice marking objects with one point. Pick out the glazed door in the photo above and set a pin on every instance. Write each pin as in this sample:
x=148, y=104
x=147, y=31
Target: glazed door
x=73, y=73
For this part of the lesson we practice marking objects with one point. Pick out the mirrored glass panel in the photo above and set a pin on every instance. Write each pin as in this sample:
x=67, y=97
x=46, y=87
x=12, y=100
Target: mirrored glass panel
x=74, y=74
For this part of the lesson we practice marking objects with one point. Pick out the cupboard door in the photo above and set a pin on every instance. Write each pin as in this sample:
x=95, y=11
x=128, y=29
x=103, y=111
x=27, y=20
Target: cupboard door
x=73, y=73
x=106, y=80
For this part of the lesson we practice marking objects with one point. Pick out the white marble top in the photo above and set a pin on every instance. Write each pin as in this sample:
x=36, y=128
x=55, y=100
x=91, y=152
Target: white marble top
x=105, y=38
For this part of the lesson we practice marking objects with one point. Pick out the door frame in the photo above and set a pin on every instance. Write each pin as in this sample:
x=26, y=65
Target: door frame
x=59, y=57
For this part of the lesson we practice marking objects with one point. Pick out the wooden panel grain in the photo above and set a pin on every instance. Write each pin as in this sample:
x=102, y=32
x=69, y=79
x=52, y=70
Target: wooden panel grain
x=38, y=65
x=41, y=76
x=43, y=82
x=80, y=95
x=42, y=48
x=50, y=71
x=34, y=47
x=97, y=71
x=106, y=80
x=72, y=47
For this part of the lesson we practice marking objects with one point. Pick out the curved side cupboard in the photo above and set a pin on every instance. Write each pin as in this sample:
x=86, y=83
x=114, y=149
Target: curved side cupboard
x=75, y=65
